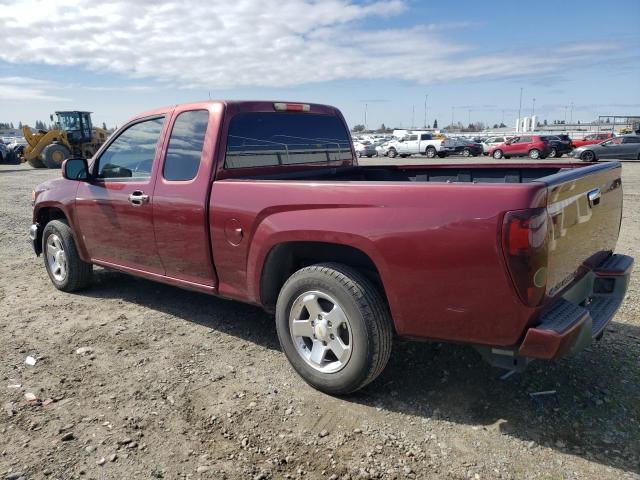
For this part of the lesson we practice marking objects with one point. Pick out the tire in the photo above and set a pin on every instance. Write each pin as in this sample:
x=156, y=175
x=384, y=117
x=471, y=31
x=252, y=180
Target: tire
x=588, y=156
x=430, y=152
x=391, y=153
x=365, y=319
x=466, y=152
x=534, y=154
x=557, y=155
x=403, y=155
x=553, y=153
x=54, y=154
x=497, y=154
x=442, y=155
x=76, y=274
x=36, y=162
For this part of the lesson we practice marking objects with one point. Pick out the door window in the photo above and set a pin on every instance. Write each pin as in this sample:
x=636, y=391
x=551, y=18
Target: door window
x=631, y=140
x=524, y=140
x=131, y=155
x=413, y=137
x=185, y=146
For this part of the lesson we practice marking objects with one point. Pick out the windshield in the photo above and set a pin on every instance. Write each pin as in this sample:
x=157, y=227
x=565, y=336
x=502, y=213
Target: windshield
x=261, y=139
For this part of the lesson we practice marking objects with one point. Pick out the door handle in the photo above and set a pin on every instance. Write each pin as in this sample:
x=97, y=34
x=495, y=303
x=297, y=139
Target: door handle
x=138, y=197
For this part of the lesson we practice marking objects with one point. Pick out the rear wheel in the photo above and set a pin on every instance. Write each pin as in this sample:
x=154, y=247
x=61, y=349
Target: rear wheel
x=553, y=152
x=587, y=156
x=334, y=327
x=53, y=155
x=534, y=154
x=497, y=154
x=430, y=152
x=391, y=153
x=68, y=272
x=466, y=152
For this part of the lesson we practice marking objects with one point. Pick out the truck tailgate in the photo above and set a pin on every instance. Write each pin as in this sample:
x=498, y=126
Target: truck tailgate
x=585, y=209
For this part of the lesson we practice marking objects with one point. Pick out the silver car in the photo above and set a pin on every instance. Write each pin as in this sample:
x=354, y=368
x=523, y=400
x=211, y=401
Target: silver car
x=625, y=147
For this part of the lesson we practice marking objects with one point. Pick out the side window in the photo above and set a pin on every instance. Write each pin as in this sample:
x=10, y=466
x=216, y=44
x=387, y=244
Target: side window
x=425, y=136
x=185, y=146
x=631, y=140
x=524, y=140
x=413, y=137
x=131, y=155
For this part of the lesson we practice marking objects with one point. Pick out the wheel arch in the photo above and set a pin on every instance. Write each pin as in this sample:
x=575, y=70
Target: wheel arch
x=47, y=212
x=287, y=257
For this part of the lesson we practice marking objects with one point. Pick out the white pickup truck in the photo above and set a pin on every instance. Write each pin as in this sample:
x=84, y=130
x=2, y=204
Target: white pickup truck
x=416, y=143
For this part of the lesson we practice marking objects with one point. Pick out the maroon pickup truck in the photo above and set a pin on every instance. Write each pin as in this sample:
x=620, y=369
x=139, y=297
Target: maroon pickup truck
x=265, y=203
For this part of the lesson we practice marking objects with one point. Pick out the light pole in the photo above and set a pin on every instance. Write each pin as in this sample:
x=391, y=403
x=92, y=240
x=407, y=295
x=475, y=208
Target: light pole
x=426, y=97
x=571, y=114
x=469, y=112
x=452, y=109
x=413, y=116
x=519, y=110
x=533, y=107
x=365, y=116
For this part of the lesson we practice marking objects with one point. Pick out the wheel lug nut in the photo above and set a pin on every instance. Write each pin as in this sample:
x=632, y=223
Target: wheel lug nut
x=319, y=317
x=329, y=323
x=332, y=336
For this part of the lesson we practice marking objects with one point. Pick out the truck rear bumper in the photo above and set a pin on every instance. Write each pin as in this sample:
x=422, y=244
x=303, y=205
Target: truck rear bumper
x=581, y=315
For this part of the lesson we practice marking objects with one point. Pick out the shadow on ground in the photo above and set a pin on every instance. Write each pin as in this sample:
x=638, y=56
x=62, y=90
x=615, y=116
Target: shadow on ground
x=593, y=412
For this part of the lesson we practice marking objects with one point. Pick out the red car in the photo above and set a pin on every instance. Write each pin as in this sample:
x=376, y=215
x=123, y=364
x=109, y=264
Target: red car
x=533, y=146
x=265, y=203
x=592, y=139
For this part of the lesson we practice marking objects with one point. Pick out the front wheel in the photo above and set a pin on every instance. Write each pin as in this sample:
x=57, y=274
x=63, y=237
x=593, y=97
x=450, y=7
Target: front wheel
x=68, y=272
x=466, y=152
x=497, y=154
x=534, y=154
x=334, y=327
x=54, y=154
x=391, y=153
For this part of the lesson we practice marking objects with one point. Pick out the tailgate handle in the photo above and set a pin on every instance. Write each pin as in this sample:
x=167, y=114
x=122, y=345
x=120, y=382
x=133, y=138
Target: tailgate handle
x=594, y=197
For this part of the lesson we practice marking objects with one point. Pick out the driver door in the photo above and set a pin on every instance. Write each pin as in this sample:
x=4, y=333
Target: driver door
x=115, y=209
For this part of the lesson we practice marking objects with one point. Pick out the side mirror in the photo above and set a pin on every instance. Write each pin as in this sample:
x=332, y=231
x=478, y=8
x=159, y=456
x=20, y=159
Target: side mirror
x=75, y=169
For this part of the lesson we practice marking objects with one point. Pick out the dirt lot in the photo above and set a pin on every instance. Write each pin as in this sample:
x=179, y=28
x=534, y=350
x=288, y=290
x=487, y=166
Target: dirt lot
x=174, y=384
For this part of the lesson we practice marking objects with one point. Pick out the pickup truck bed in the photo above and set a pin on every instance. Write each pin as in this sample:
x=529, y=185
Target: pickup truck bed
x=272, y=209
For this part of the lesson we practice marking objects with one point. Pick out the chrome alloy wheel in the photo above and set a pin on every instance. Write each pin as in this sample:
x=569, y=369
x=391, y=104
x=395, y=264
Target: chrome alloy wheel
x=320, y=331
x=56, y=258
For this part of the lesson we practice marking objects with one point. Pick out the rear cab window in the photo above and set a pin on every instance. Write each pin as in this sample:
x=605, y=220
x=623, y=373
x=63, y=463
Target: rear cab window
x=264, y=139
x=185, y=146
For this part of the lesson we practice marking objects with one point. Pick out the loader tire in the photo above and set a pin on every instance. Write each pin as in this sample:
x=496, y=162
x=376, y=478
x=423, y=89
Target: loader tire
x=53, y=155
x=36, y=162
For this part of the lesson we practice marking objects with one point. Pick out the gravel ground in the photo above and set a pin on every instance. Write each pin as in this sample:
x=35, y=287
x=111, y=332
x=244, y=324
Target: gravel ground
x=139, y=380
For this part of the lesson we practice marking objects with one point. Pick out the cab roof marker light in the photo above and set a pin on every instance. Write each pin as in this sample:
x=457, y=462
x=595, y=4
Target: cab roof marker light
x=291, y=107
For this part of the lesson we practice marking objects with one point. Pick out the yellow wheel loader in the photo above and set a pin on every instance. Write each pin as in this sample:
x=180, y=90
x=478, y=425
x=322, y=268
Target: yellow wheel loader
x=74, y=137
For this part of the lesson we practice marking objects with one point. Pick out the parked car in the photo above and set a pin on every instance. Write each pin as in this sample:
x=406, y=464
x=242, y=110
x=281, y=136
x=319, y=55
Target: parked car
x=591, y=139
x=533, y=146
x=490, y=142
x=265, y=203
x=383, y=149
x=559, y=145
x=365, y=149
x=461, y=146
x=416, y=143
x=626, y=147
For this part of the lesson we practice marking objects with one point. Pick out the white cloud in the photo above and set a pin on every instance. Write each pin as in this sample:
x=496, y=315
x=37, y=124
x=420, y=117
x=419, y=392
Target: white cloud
x=23, y=88
x=275, y=43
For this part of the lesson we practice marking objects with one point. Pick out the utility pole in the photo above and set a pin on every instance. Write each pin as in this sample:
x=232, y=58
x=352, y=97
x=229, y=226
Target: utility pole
x=426, y=97
x=452, y=109
x=413, y=116
x=519, y=110
x=469, y=116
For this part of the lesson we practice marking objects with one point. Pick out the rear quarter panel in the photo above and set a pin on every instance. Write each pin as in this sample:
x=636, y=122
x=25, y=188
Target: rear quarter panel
x=436, y=246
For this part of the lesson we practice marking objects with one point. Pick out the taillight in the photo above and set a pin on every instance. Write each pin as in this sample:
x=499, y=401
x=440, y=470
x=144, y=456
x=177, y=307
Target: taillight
x=525, y=244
